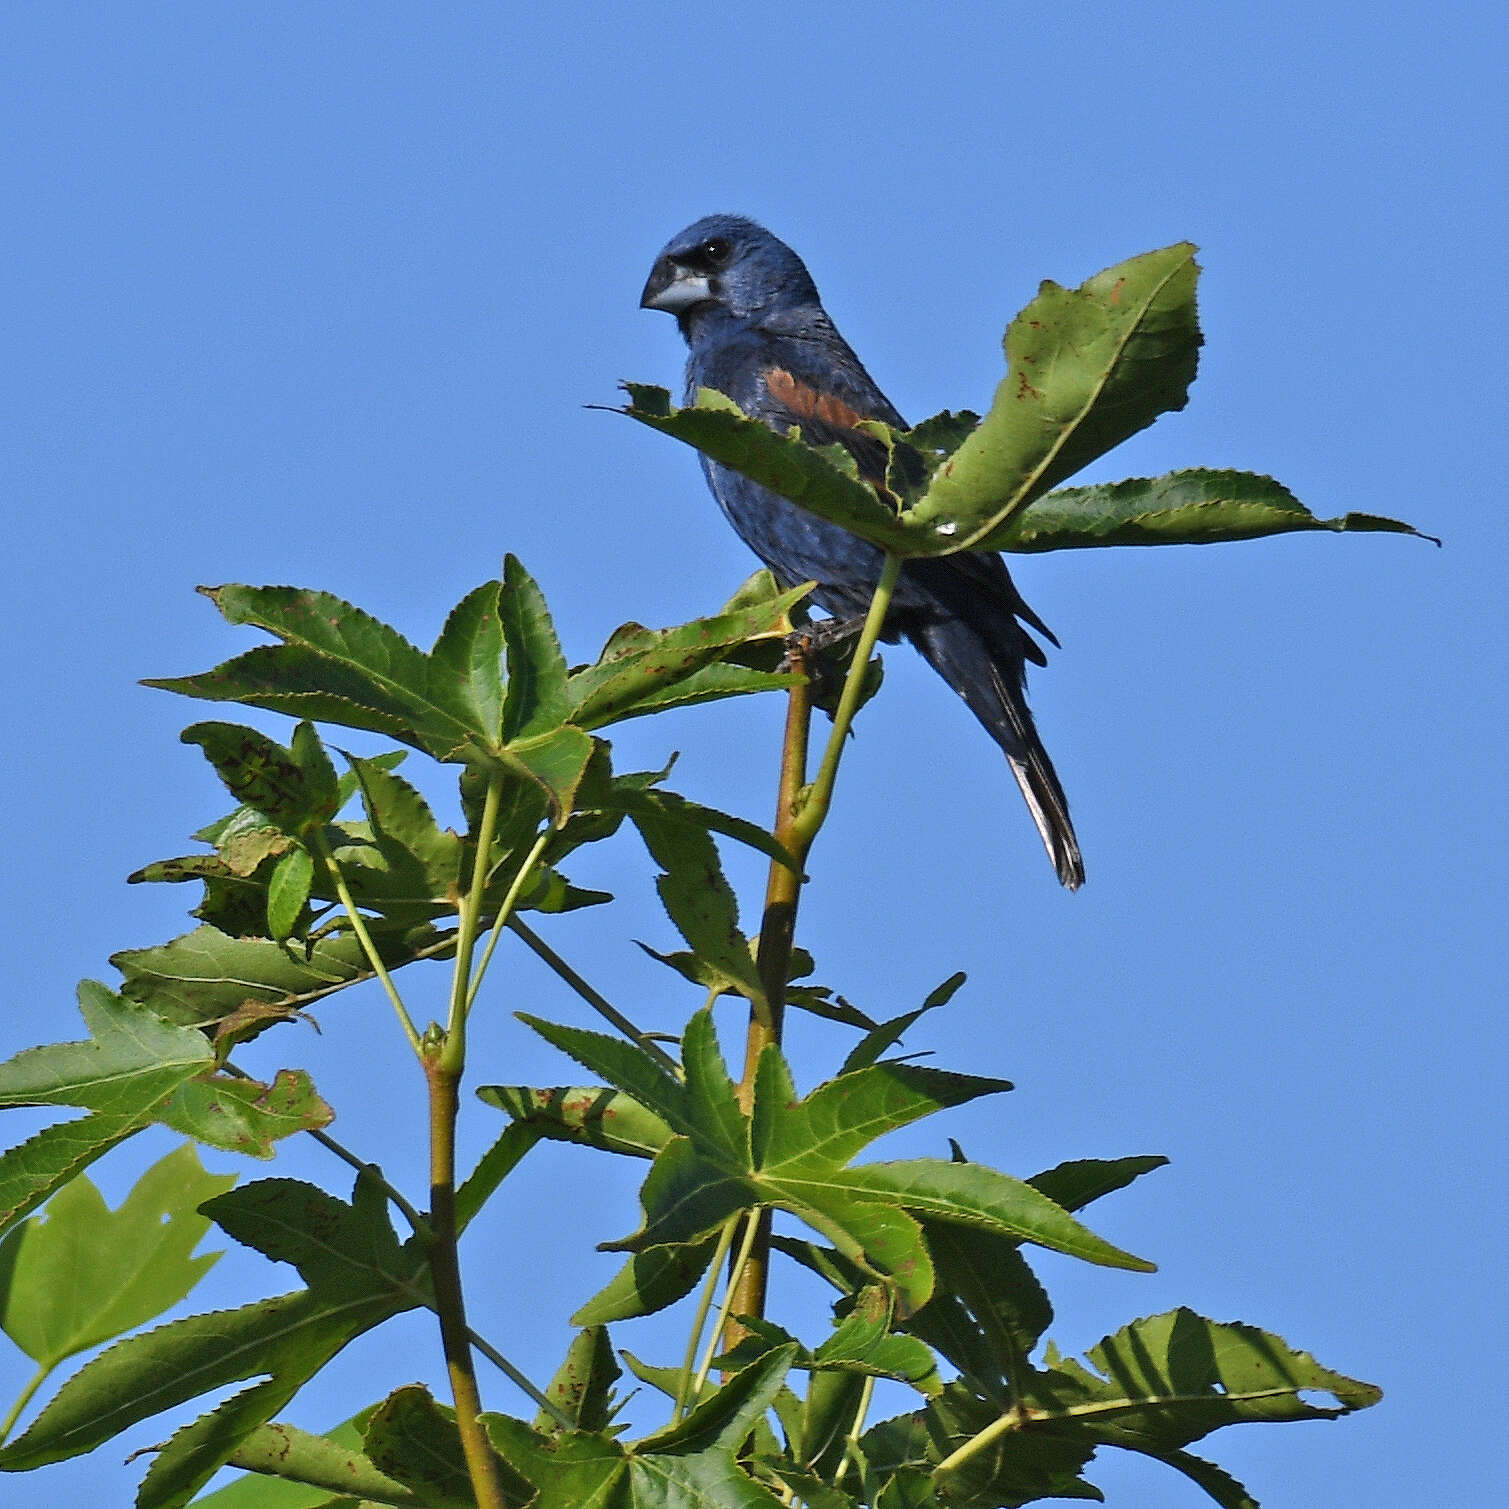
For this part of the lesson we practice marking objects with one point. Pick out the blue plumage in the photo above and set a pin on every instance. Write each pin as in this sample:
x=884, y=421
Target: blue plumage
x=758, y=333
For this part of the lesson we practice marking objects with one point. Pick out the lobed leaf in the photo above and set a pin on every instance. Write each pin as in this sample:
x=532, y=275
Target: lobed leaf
x=83, y=1274
x=1192, y=507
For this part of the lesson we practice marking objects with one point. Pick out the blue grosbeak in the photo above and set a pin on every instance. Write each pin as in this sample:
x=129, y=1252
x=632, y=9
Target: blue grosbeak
x=758, y=333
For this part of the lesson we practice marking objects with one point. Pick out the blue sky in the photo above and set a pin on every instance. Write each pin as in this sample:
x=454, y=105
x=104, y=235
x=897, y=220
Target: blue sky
x=319, y=294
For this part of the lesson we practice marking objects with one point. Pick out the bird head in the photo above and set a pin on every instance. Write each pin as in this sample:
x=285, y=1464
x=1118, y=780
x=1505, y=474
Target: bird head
x=727, y=263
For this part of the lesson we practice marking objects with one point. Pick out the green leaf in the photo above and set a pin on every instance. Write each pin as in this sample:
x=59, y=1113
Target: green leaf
x=340, y=665
x=492, y=1168
x=556, y=761
x=290, y=1338
x=205, y=977
x=974, y=1195
x=794, y=1160
x=626, y=1065
x=1086, y=369
x=339, y=1249
x=296, y=789
x=82, y=1273
x=537, y=700
x=692, y=1465
x=825, y=480
x=671, y=807
x=34, y=1169
x=582, y=1388
x=698, y=898
x=359, y=1276
x=257, y=1490
x=875, y=1042
x=419, y=864
x=288, y=892
x=469, y=655
x=132, y=1063
x=649, y=1281
x=642, y=670
x=1194, y=507
x=413, y=1440
x=1156, y=1386
x=590, y=1115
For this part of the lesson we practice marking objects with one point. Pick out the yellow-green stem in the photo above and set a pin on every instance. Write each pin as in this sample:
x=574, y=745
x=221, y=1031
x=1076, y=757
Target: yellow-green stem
x=815, y=808
x=359, y=926
x=14, y=1413
x=453, y=1052
x=699, y=1320
x=751, y=1227
x=445, y=1275
x=511, y=900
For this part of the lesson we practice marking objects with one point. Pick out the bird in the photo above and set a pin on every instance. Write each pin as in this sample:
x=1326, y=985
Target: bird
x=757, y=332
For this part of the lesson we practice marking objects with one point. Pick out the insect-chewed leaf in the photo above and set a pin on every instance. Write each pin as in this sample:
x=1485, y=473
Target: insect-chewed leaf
x=582, y=1388
x=413, y=1440
x=296, y=789
x=1194, y=507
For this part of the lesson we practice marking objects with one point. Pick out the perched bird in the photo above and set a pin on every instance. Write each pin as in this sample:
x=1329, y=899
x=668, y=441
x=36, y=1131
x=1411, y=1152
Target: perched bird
x=758, y=333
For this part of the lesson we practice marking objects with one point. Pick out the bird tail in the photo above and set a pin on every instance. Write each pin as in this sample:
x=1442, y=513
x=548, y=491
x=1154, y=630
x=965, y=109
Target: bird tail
x=992, y=682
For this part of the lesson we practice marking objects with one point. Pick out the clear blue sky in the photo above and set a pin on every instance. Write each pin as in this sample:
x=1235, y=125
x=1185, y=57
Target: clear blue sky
x=317, y=294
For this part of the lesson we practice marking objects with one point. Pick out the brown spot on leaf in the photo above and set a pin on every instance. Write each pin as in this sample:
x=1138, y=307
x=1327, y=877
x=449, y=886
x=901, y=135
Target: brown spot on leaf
x=1116, y=288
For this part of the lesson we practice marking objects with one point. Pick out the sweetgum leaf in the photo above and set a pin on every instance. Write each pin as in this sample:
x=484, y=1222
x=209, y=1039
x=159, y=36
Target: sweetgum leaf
x=82, y=1274
x=1194, y=507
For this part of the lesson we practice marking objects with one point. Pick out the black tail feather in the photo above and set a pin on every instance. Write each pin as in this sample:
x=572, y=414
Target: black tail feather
x=992, y=681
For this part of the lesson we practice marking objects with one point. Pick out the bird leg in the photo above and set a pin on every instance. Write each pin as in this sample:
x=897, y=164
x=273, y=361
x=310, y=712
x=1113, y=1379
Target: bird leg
x=821, y=648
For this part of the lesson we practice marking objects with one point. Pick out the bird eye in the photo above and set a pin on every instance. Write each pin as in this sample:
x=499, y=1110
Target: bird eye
x=716, y=250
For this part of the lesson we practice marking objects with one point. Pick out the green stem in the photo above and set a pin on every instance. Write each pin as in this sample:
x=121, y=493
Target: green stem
x=445, y=1275
x=815, y=808
x=14, y=1413
x=595, y=999
x=358, y=923
x=505, y=911
x=752, y=1225
x=684, y=1391
x=453, y=1053
x=851, y=1445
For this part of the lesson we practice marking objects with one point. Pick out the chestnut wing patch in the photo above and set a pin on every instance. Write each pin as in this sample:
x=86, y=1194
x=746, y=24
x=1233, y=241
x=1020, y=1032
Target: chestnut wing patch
x=827, y=420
